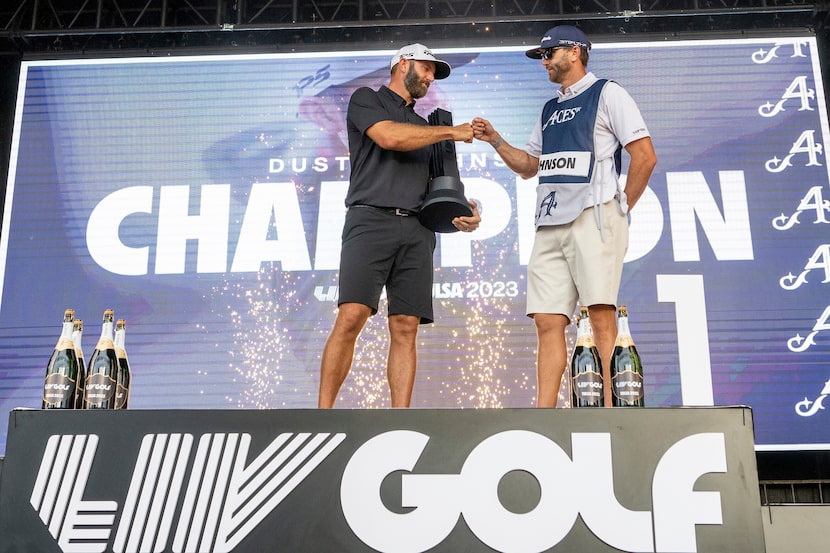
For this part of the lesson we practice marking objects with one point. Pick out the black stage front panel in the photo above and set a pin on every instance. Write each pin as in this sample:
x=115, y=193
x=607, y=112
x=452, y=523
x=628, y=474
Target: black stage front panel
x=398, y=481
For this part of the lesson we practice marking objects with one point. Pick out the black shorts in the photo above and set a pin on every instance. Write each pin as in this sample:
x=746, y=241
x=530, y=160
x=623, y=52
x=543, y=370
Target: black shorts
x=383, y=249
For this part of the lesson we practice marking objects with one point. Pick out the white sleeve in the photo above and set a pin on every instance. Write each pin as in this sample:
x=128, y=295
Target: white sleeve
x=624, y=118
x=534, y=144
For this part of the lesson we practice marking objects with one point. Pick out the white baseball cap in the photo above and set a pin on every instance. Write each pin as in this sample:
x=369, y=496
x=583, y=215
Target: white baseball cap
x=421, y=53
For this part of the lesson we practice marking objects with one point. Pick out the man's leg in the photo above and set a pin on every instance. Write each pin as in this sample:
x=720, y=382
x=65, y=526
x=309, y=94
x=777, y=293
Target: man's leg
x=339, y=351
x=604, y=327
x=551, y=356
x=403, y=358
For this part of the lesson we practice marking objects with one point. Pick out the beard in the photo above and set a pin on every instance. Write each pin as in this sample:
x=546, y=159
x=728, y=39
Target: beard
x=413, y=83
x=558, y=71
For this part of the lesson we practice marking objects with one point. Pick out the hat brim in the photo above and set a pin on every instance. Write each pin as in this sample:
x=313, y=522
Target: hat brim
x=442, y=69
x=535, y=53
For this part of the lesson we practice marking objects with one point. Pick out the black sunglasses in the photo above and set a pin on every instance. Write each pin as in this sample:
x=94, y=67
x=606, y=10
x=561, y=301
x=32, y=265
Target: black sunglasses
x=547, y=53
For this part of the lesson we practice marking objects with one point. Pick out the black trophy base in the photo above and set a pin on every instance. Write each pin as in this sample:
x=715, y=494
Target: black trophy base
x=444, y=202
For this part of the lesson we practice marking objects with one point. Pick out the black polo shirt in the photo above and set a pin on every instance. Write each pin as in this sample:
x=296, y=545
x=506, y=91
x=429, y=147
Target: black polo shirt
x=384, y=178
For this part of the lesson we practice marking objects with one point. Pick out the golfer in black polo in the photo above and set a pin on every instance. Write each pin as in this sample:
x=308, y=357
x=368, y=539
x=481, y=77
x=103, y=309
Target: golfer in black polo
x=383, y=242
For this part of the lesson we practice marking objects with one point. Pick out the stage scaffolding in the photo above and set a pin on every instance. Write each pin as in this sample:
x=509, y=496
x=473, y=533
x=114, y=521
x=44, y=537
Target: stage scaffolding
x=71, y=26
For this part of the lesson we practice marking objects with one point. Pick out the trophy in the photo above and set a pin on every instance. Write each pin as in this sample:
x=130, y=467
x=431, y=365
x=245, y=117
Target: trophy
x=445, y=197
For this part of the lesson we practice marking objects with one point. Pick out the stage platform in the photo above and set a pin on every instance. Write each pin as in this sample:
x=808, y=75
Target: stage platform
x=438, y=480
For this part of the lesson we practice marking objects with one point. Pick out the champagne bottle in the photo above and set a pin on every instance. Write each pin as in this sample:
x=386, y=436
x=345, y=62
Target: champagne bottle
x=102, y=370
x=77, y=335
x=59, y=387
x=586, y=367
x=122, y=388
x=626, y=367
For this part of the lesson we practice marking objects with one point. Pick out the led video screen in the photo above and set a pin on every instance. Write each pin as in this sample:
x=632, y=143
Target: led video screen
x=201, y=198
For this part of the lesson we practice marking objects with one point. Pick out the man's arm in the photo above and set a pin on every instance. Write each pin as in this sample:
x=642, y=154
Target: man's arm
x=405, y=137
x=519, y=161
x=643, y=160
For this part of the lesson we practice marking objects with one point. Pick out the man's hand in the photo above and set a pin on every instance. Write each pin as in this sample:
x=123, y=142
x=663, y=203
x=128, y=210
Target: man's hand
x=468, y=224
x=484, y=131
x=519, y=161
x=463, y=133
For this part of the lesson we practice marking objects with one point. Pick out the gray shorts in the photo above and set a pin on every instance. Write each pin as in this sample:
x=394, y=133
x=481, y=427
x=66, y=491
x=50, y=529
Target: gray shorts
x=383, y=249
x=570, y=264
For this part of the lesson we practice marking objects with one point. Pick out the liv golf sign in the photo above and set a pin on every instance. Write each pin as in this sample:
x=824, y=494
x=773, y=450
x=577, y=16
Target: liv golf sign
x=523, y=481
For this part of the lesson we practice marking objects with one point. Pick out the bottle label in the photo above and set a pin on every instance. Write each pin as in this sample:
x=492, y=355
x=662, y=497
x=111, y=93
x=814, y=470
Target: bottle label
x=58, y=389
x=627, y=385
x=586, y=341
x=122, y=396
x=64, y=343
x=624, y=342
x=104, y=344
x=587, y=386
x=99, y=390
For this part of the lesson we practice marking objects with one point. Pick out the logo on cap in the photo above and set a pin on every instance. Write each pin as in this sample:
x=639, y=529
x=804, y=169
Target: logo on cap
x=422, y=53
